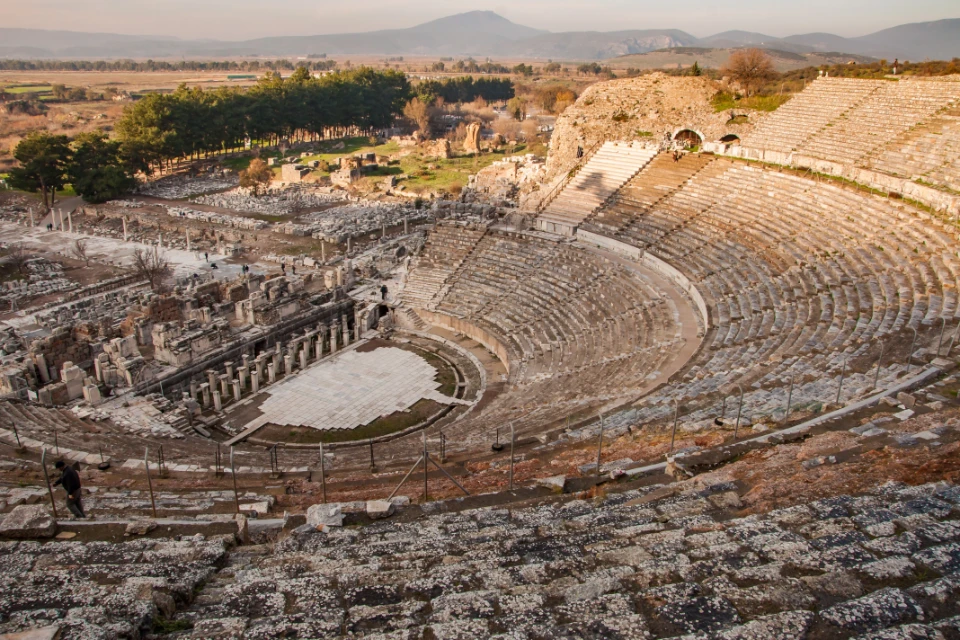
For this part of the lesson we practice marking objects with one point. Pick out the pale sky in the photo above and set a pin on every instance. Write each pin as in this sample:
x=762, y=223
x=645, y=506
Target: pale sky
x=244, y=19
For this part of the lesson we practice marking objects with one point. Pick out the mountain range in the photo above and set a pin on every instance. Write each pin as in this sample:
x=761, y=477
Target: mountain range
x=482, y=34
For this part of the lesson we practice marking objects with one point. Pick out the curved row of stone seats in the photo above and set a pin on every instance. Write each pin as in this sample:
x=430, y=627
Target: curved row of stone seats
x=930, y=152
x=876, y=566
x=612, y=166
x=100, y=590
x=663, y=176
x=793, y=267
x=820, y=103
x=557, y=309
x=446, y=247
x=888, y=112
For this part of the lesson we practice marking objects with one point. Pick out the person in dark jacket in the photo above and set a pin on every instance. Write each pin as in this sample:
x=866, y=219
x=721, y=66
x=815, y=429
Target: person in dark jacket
x=70, y=480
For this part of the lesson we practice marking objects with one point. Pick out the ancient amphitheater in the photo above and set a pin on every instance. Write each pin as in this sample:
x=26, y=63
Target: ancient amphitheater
x=705, y=394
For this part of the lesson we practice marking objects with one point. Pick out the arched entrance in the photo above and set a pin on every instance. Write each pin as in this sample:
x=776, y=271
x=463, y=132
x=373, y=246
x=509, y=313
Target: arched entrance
x=730, y=139
x=688, y=137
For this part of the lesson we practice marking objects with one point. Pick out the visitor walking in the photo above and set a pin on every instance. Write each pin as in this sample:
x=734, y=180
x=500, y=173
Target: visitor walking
x=70, y=480
x=383, y=292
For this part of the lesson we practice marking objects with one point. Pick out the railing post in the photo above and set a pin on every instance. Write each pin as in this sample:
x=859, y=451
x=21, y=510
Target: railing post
x=43, y=465
x=786, y=412
x=600, y=445
x=513, y=440
x=943, y=328
x=876, y=376
x=425, y=467
x=676, y=419
x=323, y=475
x=736, y=428
x=843, y=372
x=146, y=466
x=913, y=348
x=233, y=472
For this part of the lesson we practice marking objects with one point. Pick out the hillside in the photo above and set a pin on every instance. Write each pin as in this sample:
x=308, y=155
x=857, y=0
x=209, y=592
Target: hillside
x=683, y=57
x=485, y=34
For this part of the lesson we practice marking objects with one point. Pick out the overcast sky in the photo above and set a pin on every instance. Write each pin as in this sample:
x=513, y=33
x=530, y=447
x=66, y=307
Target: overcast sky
x=242, y=19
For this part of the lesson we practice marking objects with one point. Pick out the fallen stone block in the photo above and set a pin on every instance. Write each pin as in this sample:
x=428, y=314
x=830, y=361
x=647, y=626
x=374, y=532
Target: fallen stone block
x=553, y=482
x=29, y=521
x=40, y=633
x=140, y=528
x=325, y=515
x=378, y=509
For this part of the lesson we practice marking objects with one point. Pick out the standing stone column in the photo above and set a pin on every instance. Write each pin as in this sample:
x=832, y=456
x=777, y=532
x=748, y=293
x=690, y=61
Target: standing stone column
x=346, y=332
x=205, y=392
x=193, y=389
x=237, y=392
x=260, y=366
x=288, y=364
x=70, y=221
x=229, y=367
x=276, y=362
x=255, y=382
x=224, y=386
x=333, y=338
x=217, y=403
x=319, y=346
x=212, y=378
x=125, y=237
x=406, y=225
x=303, y=357
x=272, y=372
x=242, y=377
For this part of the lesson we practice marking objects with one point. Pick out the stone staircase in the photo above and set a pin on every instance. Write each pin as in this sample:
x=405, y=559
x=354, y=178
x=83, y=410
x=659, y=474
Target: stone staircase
x=612, y=166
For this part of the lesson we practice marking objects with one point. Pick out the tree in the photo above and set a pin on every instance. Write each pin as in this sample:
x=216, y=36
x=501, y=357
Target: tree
x=418, y=112
x=43, y=159
x=256, y=177
x=751, y=68
x=152, y=266
x=17, y=257
x=695, y=70
x=80, y=251
x=98, y=170
x=517, y=107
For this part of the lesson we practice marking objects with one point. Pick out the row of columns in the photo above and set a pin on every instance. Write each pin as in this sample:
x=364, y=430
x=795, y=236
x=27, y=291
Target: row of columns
x=255, y=373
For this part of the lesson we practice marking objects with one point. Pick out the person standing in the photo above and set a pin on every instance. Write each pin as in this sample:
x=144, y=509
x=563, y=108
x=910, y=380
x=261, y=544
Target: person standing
x=70, y=480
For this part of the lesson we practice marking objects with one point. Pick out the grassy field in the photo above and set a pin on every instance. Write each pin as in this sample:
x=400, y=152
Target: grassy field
x=724, y=101
x=422, y=174
x=22, y=89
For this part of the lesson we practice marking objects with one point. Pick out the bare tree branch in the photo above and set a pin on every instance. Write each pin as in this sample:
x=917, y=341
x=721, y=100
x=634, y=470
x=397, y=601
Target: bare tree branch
x=152, y=266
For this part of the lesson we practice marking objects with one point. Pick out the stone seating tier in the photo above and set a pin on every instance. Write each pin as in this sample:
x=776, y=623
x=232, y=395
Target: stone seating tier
x=877, y=566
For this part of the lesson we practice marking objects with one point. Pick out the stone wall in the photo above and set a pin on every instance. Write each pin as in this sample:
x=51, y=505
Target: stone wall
x=645, y=108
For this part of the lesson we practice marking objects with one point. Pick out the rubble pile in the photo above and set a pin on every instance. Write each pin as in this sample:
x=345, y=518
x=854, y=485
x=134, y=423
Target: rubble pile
x=237, y=222
x=337, y=224
x=276, y=202
x=181, y=187
x=43, y=278
x=503, y=181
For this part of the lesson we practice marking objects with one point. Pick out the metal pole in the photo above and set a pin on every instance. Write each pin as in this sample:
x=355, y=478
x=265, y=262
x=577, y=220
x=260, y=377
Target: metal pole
x=450, y=477
x=876, y=376
x=425, y=455
x=16, y=434
x=405, y=478
x=736, y=428
x=513, y=441
x=843, y=372
x=56, y=441
x=723, y=409
x=600, y=445
x=146, y=465
x=953, y=339
x=913, y=346
x=372, y=464
x=43, y=465
x=786, y=412
x=676, y=418
x=323, y=475
x=943, y=328
x=233, y=472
